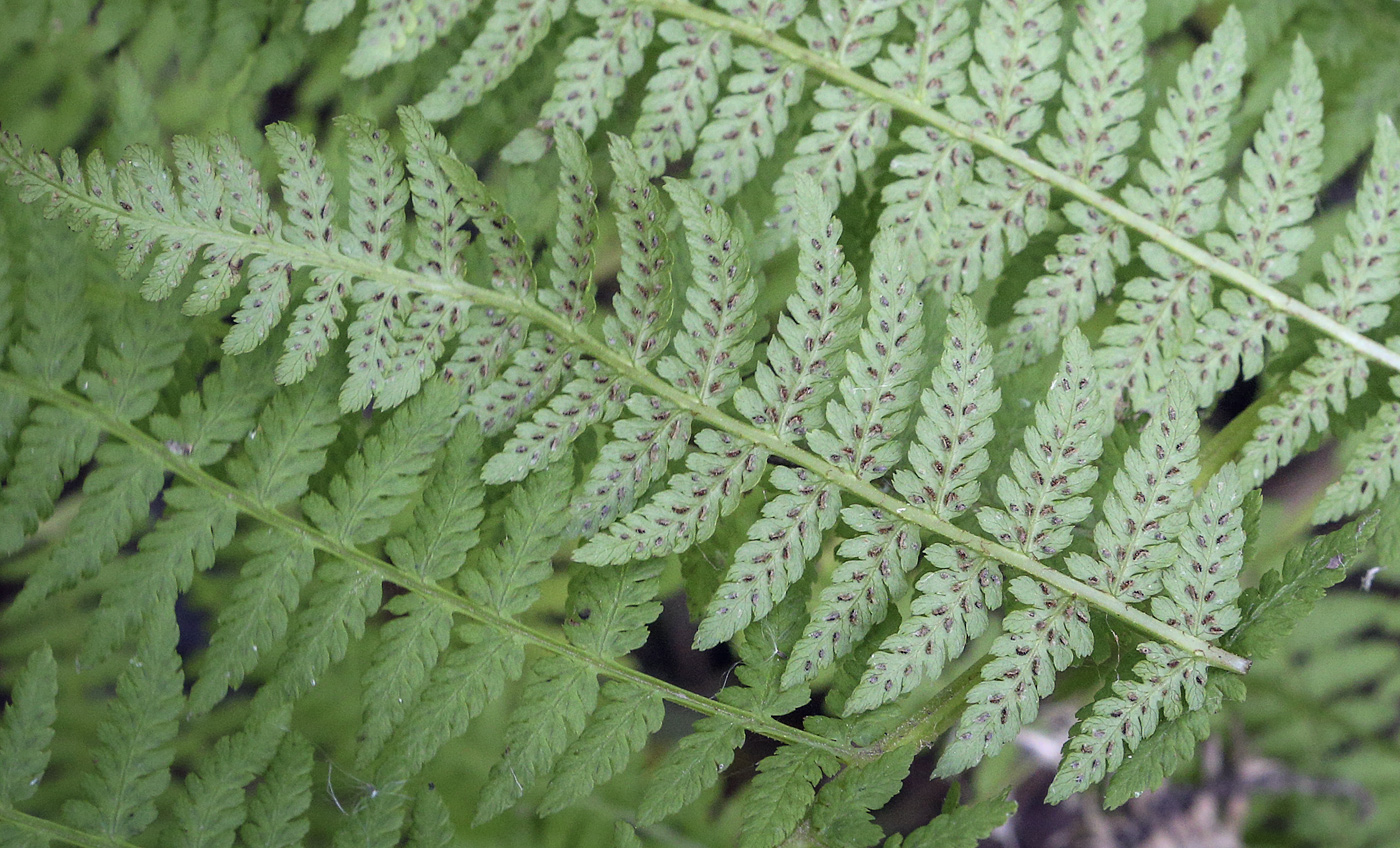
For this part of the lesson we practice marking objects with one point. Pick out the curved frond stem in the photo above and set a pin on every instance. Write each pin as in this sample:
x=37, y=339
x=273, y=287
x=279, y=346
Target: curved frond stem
x=837, y=73
x=252, y=507
x=642, y=378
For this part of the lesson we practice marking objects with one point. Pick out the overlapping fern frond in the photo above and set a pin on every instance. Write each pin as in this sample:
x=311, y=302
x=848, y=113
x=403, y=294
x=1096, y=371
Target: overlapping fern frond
x=407, y=418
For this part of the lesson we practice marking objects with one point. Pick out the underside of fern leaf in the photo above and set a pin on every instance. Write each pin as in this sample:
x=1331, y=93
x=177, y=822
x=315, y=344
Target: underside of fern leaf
x=882, y=332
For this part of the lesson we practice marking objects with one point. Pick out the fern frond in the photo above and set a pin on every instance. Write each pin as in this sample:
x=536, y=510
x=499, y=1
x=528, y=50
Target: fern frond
x=791, y=390
x=851, y=128
x=1146, y=509
x=1016, y=45
x=212, y=809
x=132, y=761
x=1276, y=196
x=554, y=705
x=1044, y=500
x=393, y=31
x=781, y=792
x=745, y=123
x=538, y=368
x=593, y=74
x=1361, y=272
x=26, y=728
x=693, y=765
x=715, y=343
x=638, y=326
x=507, y=38
x=444, y=529
x=376, y=485
x=1181, y=191
x=936, y=168
x=680, y=93
x=278, y=804
x=1097, y=125
x=627, y=715
x=1374, y=465
x=963, y=826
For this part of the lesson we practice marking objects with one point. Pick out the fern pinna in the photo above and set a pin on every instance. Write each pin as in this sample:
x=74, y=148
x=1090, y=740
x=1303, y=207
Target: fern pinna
x=881, y=329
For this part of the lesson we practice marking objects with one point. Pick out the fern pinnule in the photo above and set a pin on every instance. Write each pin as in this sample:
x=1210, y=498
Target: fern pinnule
x=746, y=122
x=1361, y=271
x=26, y=729
x=1016, y=46
x=864, y=431
x=1276, y=196
x=1146, y=509
x=934, y=169
x=715, y=341
x=680, y=93
x=1044, y=499
x=131, y=763
x=537, y=369
x=507, y=38
x=792, y=388
x=196, y=524
x=852, y=128
x=211, y=810
x=394, y=32
x=1097, y=126
x=434, y=547
x=1373, y=467
x=593, y=74
x=626, y=717
x=1180, y=191
x=946, y=459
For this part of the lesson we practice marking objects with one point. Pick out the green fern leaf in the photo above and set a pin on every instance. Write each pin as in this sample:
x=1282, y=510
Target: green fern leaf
x=393, y=32
x=685, y=85
x=539, y=367
x=593, y=74
x=1017, y=44
x=434, y=547
x=851, y=128
x=935, y=168
x=841, y=813
x=688, y=769
x=745, y=122
x=1181, y=190
x=213, y=807
x=376, y=485
x=558, y=697
x=642, y=309
x=963, y=826
x=1201, y=587
x=1161, y=754
x=277, y=806
x=791, y=389
x=1277, y=195
x=715, y=343
x=1146, y=509
x=132, y=761
x=789, y=397
x=432, y=823
x=1285, y=596
x=1096, y=126
x=627, y=715
x=507, y=38
x=866, y=426
x=460, y=687
x=27, y=727
x=781, y=792
x=1375, y=463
